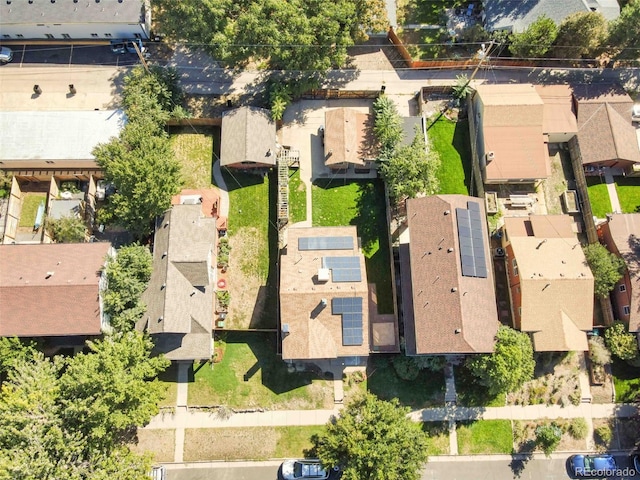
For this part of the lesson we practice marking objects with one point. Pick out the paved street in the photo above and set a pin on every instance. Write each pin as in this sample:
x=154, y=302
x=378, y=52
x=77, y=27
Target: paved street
x=496, y=467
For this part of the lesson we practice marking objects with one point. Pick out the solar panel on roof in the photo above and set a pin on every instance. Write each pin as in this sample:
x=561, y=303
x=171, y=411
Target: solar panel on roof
x=471, y=240
x=351, y=310
x=325, y=243
x=343, y=269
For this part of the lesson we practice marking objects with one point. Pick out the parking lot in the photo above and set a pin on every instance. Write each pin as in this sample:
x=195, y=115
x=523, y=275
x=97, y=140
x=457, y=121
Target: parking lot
x=97, y=55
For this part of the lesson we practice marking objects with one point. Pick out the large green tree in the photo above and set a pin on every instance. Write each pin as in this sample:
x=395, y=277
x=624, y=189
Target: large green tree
x=304, y=35
x=621, y=343
x=110, y=390
x=387, y=126
x=624, y=32
x=373, y=440
x=536, y=40
x=128, y=274
x=411, y=170
x=581, y=34
x=509, y=366
x=607, y=268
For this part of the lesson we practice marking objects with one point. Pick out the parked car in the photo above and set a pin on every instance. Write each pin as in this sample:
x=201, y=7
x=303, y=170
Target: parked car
x=121, y=47
x=306, y=468
x=636, y=462
x=593, y=465
x=635, y=113
x=6, y=54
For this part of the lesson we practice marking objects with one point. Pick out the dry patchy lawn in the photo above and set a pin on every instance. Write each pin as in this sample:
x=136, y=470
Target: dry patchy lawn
x=194, y=151
x=160, y=443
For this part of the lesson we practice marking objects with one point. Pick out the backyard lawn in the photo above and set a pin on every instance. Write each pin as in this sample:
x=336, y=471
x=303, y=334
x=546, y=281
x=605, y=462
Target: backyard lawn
x=251, y=375
x=626, y=380
x=359, y=203
x=194, y=151
x=628, y=194
x=30, y=204
x=251, y=443
x=297, y=198
x=425, y=391
x=251, y=275
x=598, y=196
x=484, y=436
x=423, y=11
x=451, y=141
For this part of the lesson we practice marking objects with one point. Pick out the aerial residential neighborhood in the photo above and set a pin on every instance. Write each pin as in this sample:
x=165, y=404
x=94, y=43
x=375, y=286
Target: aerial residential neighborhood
x=290, y=240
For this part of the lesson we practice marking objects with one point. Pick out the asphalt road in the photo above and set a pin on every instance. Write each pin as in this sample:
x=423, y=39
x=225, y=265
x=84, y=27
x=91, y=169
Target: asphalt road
x=460, y=469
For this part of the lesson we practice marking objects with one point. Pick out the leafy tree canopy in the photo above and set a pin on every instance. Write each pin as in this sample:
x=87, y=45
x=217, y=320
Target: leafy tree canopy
x=127, y=276
x=387, y=126
x=622, y=344
x=607, y=268
x=68, y=229
x=536, y=40
x=581, y=34
x=288, y=34
x=373, y=440
x=624, y=32
x=12, y=350
x=509, y=366
x=411, y=170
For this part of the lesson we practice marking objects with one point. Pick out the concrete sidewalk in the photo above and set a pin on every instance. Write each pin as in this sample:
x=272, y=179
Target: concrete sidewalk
x=184, y=418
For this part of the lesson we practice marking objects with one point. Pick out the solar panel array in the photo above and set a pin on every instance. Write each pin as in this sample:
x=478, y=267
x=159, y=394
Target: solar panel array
x=351, y=310
x=343, y=269
x=325, y=243
x=471, y=240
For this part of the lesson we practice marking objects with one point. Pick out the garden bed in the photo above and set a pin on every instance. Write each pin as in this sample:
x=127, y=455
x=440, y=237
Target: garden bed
x=524, y=435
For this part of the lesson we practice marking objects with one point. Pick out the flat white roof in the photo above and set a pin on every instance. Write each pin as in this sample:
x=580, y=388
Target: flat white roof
x=66, y=135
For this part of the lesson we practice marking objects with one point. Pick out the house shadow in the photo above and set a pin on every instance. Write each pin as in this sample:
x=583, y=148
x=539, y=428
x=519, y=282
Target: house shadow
x=275, y=372
x=462, y=143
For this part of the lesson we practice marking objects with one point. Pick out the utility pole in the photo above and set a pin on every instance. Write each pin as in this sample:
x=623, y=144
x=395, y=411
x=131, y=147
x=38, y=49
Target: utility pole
x=140, y=56
x=483, y=54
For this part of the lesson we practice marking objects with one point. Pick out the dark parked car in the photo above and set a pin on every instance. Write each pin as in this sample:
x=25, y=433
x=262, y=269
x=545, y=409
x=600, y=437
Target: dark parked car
x=593, y=465
x=121, y=47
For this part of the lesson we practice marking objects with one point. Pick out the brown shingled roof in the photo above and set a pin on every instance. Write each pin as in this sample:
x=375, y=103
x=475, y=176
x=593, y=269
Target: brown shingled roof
x=625, y=231
x=51, y=289
x=347, y=138
x=444, y=311
x=248, y=135
x=555, y=281
x=314, y=332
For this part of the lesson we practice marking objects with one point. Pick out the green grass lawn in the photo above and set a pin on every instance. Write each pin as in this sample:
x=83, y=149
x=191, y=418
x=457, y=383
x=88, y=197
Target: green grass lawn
x=252, y=375
x=423, y=11
x=628, y=194
x=425, y=391
x=297, y=198
x=30, y=204
x=598, y=196
x=251, y=443
x=194, y=151
x=169, y=378
x=438, y=432
x=626, y=380
x=484, y=436
x=359, y=203
x=451, y=141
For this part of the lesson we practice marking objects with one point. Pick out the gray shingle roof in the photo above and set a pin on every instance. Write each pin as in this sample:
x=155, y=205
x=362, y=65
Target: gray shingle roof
x=68, y=11
x=180, y=294
x=248, y=135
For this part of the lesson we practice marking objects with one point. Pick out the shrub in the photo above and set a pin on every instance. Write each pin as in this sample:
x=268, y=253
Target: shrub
x=603, y=435
x=578, y=428
x=405, y=367
x=67, y=229
x=548, y=437
x=224, y=298
x=621, y=343
x=598, y=352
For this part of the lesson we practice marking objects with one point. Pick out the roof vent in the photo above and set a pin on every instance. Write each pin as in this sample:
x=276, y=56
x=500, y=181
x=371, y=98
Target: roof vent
x=323, y=274
x=450, y=249
x=454, y=289
x=285, y=329
x=49, y=274
x=164, y=285
x=164, y=254
x=490, y=156
x=447, y=212
x=323, y=302
x=160, y=319
x=458, y=330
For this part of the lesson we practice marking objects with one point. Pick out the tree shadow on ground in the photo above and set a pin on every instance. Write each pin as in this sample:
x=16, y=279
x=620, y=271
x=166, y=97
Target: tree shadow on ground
x=520, y=458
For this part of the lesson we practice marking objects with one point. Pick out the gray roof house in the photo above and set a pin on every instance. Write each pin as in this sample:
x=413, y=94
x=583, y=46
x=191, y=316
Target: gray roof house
x=72, y=20
x=180, y=294
x=516, y=15
x=248, y=138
